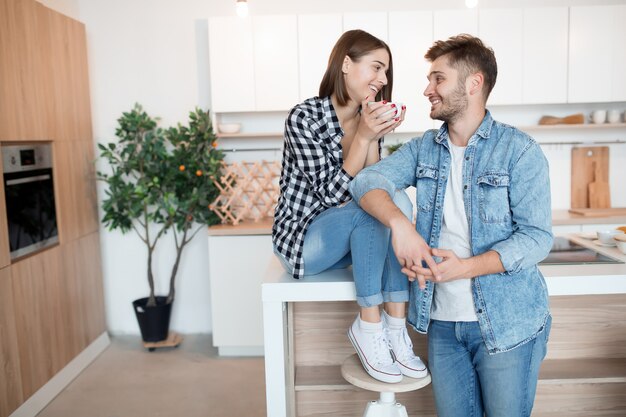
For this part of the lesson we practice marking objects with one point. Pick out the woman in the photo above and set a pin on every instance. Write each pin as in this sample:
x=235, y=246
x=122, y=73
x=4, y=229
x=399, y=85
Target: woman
x=328, y=140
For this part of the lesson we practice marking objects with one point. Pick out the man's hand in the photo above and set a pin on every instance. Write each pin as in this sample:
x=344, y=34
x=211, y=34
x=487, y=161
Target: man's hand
x=451, y=266
x=411, y=249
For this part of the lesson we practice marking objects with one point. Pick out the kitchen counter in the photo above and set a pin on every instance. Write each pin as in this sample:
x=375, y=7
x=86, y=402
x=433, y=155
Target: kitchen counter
x=338, y=285
x=564, y=217
x=264, y=226
x=280, y=293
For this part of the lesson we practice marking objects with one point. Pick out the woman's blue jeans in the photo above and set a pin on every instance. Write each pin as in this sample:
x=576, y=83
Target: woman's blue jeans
x=467, y=381
x=346, y=235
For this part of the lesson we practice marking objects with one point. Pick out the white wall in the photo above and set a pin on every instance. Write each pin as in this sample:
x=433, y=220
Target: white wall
x=154, y=52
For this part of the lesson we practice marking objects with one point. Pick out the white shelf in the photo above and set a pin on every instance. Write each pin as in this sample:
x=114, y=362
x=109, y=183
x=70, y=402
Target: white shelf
x=249, y=135
x=590, y=126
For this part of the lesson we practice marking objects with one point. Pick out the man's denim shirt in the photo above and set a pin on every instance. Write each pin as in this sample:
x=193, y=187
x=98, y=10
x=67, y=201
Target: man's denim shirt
x=507, y=204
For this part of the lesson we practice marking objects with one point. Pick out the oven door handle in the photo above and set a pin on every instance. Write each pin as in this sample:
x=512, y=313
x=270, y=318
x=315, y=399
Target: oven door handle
x=28, y=179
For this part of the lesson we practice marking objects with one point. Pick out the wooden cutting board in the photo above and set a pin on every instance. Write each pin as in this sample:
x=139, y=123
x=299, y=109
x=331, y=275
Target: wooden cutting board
x=599, y=192
x=590, y=165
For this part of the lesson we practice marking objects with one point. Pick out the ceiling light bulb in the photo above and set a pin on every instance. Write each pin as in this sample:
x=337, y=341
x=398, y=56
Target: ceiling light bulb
x=241, y=7
x=471, y=3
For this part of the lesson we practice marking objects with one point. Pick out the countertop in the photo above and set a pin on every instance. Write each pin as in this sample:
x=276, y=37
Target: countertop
x=338, y=285
x=264, y=226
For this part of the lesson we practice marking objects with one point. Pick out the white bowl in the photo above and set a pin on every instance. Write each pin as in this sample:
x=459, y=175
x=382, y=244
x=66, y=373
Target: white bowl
x=229, y=127
x=621, y=246
x=606, y=236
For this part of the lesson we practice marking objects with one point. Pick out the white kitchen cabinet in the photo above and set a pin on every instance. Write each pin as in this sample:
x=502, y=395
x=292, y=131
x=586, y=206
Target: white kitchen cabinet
x=231, y=64
x=253, y=63
x=453, y=22
x=410, y=36
x=236, y=267
x=275, y=62
x=544, y=55
x=591, y=41
x=618, y=46
x=501, y=29
x=374, y=23
x=317, y=34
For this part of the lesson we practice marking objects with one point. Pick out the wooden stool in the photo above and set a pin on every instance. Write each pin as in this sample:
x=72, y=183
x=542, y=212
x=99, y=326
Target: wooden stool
x=386, y=406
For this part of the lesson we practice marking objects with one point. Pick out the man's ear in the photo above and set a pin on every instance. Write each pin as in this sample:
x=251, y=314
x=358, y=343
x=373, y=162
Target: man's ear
x=475, y=83
x=346, y=64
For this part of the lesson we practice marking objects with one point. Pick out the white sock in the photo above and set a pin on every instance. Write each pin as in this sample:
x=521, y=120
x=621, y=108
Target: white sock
x=394, y=323
x=368, y=327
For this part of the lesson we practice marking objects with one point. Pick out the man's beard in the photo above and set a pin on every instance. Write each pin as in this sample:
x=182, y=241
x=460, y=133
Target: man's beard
x=453, y=106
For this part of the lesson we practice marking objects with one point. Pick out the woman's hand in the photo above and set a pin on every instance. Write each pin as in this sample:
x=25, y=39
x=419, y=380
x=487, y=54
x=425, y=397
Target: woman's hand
x=371, y=127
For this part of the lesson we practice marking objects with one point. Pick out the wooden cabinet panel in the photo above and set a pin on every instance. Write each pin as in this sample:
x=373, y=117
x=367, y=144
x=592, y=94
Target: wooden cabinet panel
x=22, y=82
x=501, y=29
x=41, y=328
x=231, y=58
x=275, y=62
x=374, y=23
x=75, y=186
x=317, y=35
x=83, y=292
x=64, y=53
x=545, y=55
x=410, y=36
x=10, y=376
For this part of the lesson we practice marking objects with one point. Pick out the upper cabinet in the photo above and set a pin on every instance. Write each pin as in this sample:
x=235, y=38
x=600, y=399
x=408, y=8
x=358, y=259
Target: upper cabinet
x=231, y=56
x=317, y=35
x=275, y=62
x=410, y=36
x=597, y=62
x=501, y=29
x=531, y=50
x=253, y=63
x=544, y=55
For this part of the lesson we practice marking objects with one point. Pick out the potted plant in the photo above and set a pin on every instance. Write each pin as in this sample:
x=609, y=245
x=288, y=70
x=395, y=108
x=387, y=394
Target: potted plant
x=160, y=180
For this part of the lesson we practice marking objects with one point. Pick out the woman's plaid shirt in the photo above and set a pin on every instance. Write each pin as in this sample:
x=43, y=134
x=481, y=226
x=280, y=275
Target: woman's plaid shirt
x=312, y=177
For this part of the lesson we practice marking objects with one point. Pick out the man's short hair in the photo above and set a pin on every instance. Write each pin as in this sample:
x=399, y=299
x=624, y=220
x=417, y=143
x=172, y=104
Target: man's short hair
x=468, y=54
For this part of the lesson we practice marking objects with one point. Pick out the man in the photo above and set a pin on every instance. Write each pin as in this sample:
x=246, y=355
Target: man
x=483, y=223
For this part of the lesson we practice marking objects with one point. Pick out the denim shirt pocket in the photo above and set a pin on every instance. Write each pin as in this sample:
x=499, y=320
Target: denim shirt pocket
x=493, y=197
x=426, y=177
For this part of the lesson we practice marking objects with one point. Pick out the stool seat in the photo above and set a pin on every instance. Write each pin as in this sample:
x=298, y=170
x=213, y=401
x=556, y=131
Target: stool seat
x=353, y=372
x=386, y=406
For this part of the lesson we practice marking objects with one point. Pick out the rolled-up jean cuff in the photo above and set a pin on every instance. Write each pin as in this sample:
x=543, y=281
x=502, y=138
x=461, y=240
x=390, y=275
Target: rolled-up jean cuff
x=370, y=300
x=396, y=296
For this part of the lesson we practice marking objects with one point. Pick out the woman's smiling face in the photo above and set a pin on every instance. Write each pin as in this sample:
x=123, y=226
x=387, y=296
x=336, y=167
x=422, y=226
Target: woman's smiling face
x=367, y=76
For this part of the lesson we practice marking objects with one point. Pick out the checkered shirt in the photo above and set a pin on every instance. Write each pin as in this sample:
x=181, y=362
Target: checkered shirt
x=312, y=177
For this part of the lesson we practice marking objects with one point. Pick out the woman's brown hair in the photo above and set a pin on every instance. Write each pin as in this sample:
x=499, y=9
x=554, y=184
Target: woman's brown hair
x=355, y=44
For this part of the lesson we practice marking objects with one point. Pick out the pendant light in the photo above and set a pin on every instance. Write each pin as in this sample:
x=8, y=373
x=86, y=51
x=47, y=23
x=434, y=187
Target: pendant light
x=241, y=7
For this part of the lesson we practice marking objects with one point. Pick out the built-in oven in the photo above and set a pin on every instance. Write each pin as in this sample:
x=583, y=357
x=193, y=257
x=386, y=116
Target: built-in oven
x=29, y=195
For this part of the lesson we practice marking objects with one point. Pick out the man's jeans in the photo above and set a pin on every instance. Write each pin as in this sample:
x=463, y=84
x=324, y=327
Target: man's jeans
x=346, y=235
x=467, y=381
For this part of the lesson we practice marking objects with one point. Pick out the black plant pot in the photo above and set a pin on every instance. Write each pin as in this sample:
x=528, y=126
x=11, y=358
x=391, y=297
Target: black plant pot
x=154, y=322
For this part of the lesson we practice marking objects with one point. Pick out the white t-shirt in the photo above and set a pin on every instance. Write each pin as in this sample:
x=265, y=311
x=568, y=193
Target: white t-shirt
x=453, y=300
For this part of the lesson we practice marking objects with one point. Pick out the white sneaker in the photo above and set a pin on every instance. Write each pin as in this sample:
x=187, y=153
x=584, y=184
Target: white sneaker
x=402, y=346
x=374, y=351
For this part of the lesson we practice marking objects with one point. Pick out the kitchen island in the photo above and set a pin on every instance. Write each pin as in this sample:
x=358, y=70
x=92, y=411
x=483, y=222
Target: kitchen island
x=584, y=373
